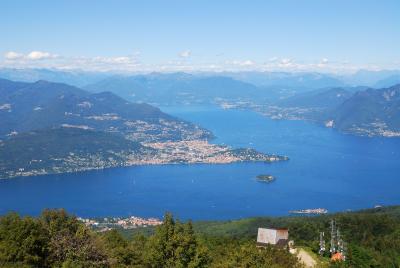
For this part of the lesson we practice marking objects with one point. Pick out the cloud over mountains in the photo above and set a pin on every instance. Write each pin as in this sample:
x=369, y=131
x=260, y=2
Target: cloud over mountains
x=182, y=62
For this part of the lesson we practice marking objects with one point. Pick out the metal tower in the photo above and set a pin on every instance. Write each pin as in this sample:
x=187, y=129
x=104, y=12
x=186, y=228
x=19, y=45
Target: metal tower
x=321, y=243
x=342, y=248
x=332, y=249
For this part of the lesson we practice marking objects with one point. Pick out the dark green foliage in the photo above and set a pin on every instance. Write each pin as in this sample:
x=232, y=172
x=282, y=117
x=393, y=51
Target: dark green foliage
x=373, y=236
x=174, y=245
x=71, y=243
x=123, y=252
x=56, y=239
x=23, y=241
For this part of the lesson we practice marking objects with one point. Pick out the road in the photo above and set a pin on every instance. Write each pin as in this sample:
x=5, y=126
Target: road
x=304, y=257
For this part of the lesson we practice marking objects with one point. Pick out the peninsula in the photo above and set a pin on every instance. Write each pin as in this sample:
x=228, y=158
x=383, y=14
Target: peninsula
x=64, y=129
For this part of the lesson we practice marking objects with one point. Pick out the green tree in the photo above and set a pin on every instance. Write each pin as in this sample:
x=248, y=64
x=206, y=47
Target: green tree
x=71, y=243
x=23, y=241
x=175, y=245
x=122, y=253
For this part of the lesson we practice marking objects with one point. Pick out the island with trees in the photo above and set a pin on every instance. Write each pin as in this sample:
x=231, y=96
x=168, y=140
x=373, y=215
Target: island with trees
x=265, y=178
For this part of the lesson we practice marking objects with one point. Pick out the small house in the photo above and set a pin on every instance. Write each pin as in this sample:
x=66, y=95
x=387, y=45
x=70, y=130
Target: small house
x=272, y=236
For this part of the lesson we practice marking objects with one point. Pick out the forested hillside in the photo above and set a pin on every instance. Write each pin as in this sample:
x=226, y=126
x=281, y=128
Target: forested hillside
x=56, y=239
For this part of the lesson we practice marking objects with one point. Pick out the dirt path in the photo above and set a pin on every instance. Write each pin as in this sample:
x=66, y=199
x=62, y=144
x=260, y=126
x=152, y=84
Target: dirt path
x=304, y=257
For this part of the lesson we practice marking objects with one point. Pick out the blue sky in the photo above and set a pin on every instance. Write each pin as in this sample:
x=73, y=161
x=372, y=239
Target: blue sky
x=330, y=36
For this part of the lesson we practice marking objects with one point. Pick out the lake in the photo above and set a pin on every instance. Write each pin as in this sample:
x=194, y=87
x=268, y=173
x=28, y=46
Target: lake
x=326, y=169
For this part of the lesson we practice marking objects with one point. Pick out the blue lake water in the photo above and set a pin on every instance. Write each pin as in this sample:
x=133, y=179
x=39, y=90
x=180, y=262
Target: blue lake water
x=326, y=169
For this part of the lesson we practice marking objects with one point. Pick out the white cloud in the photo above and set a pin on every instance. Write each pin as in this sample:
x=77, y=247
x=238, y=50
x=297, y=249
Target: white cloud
x=34, y=55
x=242, y=63
x=286, y=61
x=131, y=63
x=273, y=59
x=113, y=60
x=11, y=55
x=185, y=54
x=247, y=63
x=40, y=55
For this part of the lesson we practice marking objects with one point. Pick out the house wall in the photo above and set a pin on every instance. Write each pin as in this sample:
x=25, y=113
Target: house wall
x=266, y=236
x=282, y=234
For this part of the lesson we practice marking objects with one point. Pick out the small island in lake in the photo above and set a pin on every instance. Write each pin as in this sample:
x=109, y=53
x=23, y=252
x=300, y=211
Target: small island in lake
x=265, y=178
x=310, y=211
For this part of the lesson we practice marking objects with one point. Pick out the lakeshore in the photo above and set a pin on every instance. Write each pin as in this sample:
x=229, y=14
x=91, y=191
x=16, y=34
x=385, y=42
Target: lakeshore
x=155, y=153
x=110, y=223
x=321, y=173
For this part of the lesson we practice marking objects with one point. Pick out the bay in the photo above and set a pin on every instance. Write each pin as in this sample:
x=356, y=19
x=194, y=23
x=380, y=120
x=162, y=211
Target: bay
x=326, y=169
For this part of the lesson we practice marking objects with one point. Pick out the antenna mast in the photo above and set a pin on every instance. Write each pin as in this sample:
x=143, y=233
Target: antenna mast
x=332, y=249
x=341, y=245
x=321, y=243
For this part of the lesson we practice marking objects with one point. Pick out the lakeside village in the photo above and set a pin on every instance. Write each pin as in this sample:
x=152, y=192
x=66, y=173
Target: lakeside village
x=109, y=223
x=132, y=222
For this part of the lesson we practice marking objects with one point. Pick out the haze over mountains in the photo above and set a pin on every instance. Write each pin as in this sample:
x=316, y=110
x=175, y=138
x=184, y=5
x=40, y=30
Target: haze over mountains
x=76, y=78
x=296, y=80
x=329, y=99
x=255, y=86
x=312, y=91
x=178, y=88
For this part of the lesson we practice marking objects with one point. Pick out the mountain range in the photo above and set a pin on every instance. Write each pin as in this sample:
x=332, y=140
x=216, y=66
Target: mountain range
x=370, y=112
x=49, y=127
x=367, y=112
x=31, y=106
x=72, y=77
x=178, y=88
x=206, y=87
